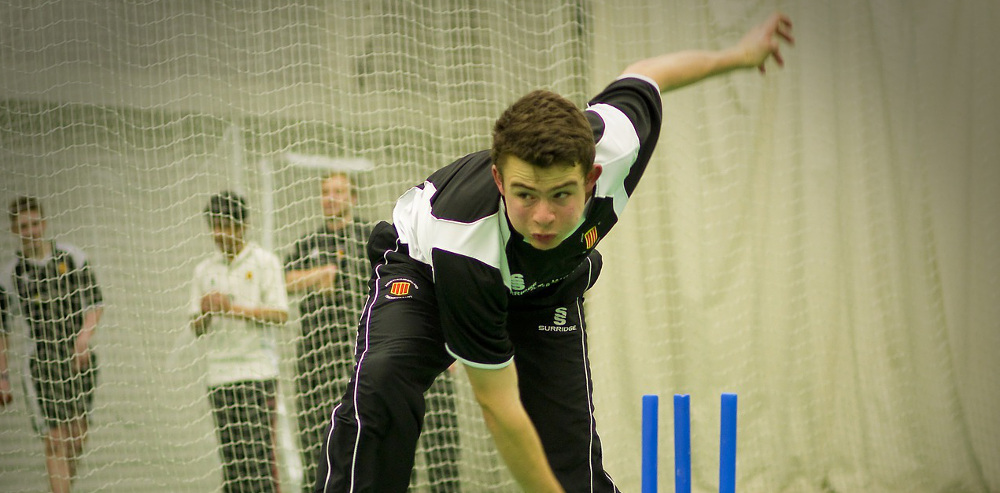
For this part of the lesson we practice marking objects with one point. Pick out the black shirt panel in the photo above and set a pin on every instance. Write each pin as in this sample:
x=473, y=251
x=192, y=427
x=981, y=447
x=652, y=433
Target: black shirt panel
x=484, y=308
x=53, y=296
x=641, y=103
x=477, y=195
x=573, y=286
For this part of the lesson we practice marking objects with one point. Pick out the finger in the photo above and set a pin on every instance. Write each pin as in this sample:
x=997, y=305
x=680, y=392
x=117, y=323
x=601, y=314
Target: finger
x=782, y=19
x=778, y=58
x=785, y=29
x=786, y=35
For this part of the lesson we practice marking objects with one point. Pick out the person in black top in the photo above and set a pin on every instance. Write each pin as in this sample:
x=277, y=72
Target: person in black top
x=329, y=269
x=439, y=438
x=58, y=296
x=5, y=392
x=487, y=261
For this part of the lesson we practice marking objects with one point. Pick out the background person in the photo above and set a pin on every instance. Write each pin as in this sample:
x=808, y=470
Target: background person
x=58, y=295
x=6, y=396
x=329, y=269
x=440, y=437
x=237, y=299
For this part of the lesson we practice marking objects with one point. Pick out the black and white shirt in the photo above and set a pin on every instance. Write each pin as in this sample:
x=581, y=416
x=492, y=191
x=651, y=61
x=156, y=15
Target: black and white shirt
x=344, y=248
x=52, y=294
x=456, y=223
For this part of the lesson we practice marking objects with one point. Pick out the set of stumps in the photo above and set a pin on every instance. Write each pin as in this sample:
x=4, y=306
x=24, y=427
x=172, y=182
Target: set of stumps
x=682, y=443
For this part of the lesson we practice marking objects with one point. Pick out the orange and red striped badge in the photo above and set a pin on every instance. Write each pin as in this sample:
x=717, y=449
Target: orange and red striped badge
x=399, y=288
x=590, y=237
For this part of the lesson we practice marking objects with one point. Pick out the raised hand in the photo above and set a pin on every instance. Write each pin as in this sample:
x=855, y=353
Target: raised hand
x=764, y=41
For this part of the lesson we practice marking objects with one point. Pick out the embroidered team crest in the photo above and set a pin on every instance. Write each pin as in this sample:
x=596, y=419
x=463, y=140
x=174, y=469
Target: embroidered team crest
x=400, y=288
x=249, y=275
x=590, y=237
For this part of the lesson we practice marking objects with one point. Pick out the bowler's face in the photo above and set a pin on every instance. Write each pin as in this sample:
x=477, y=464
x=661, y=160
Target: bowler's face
x=29, y=226
x=544, y=204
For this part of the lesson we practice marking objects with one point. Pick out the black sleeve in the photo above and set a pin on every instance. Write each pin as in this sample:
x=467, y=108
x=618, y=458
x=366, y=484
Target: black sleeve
x=4, y=312
x=90, y=291
x=640, y=101
x=297, y=258
x=472, y=300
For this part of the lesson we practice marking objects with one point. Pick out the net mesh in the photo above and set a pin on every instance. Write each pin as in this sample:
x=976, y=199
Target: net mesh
x=124, y=118
x=802, y=240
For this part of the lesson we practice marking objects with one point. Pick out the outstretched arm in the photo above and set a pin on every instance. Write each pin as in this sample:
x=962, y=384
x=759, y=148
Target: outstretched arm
x=675, y=70
x=512, y=430
x=322, y=278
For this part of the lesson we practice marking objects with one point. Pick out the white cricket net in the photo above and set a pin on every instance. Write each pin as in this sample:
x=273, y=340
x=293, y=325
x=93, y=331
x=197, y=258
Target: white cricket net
x=124, y=118
x=822, y=241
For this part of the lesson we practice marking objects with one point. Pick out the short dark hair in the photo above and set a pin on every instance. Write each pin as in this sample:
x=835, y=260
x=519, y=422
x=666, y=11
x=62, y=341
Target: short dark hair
x=227, y=205
x=22, y=204
x=544, y=129
x=351, y=180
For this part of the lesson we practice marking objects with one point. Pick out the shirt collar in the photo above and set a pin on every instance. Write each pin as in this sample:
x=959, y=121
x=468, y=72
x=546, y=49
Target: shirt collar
x=240, y=257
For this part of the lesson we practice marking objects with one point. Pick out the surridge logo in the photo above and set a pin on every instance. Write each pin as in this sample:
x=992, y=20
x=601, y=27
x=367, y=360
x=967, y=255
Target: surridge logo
x=559, y=319
x=518, y=286
x=517, y=282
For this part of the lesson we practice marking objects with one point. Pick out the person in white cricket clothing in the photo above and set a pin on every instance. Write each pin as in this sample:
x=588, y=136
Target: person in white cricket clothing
x=237, y=301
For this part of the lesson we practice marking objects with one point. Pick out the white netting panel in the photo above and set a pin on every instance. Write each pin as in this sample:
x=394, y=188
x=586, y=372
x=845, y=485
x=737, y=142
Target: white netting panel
x=124, y=118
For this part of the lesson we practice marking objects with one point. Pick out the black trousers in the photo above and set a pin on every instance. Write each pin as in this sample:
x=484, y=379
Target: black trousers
x=57, y=393
x=244, y=413
x=323, y=363
x=440, y=436
x=371, y=442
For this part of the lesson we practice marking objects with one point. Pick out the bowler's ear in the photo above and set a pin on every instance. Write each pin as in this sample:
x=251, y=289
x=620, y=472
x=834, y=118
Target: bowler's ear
x=592, y=177
x=497, y=178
